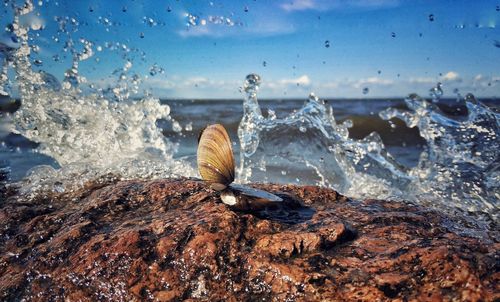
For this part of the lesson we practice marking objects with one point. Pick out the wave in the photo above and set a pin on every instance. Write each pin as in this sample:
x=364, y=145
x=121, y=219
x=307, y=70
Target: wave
x=458, y=169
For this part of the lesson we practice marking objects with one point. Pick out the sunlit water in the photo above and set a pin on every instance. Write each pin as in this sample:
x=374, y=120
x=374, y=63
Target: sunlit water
x=84, y=133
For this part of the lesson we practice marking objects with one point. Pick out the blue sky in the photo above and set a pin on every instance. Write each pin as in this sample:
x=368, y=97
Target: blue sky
x=391, y=47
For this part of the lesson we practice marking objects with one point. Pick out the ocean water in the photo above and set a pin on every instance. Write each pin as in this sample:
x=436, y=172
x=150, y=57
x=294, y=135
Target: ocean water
x=192, y=116
x=57, y=134
x=404, y=143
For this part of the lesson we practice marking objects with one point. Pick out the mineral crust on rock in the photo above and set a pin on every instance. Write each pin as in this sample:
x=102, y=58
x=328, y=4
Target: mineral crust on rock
x=172, y=240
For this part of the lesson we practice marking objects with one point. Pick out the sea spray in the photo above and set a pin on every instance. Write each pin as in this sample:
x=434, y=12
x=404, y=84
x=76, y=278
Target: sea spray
x=459, y=166
x=457, y=171
x=88, y=134
x=311, y=145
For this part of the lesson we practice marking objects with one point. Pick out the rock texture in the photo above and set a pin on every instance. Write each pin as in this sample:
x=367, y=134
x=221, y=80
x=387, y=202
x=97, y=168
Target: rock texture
x=173, y=240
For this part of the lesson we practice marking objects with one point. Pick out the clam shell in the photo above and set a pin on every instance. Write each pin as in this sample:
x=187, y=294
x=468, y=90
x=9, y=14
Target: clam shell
x=245, y=198
x=256, y=193
x=215, y=157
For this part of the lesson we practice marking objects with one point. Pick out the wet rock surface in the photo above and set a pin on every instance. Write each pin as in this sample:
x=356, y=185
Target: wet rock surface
x=174, y=240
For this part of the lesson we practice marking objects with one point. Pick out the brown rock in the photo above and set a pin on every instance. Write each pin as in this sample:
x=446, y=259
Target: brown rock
x=171, y=240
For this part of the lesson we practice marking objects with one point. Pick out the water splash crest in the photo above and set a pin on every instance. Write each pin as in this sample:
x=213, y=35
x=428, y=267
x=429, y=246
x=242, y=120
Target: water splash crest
x=89, y=134
x=458, y=170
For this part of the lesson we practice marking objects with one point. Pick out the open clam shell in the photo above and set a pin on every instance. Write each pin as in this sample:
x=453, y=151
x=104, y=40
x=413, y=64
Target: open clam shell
x=246, y=198
x=216, y=166
x=215, y=157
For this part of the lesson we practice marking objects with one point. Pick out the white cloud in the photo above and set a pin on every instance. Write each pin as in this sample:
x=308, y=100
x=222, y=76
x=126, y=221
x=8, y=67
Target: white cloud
x=359, y=83
x=422, y=80
x=372, y=81
x=198, y=31
x=323, y=5
x=330, y=85
x=264, y=26
x=482, y=81
x=302, y=80
x=451, y=76
x=286, y=84
x=299, y=5
x=478, y=77
x=196, y=81
x=259, y=26
x=192, y=87
x=205, y=86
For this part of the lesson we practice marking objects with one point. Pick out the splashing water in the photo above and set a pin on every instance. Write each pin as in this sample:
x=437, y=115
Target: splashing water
x=102, y=131
x=88, y=134
x=460, y=165
x=458, y=170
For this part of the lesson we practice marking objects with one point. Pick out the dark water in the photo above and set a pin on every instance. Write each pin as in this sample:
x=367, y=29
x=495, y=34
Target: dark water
x=404, y=144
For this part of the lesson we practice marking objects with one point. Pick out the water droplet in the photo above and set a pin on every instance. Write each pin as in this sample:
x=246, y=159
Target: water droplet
x=38, y=62
x=302, y=129
x=169, y=9
x=379, y=72
x=252, y=82
x=91, y=9
x=37, y=24
x=436, y=92
x=127, y=66
x=313, y=98
x=35, y=48
x=124, y=9
x=189, y=126
x=366, y=90
x=141, y=35
x=50, y=81
x=393, y=34
x=176, y=127
x=470, y=98
x=271, y=114
x=431, y=17
x=264, y=63
x=420, y=35
x=327, y=44
x=496, y=43
x=155, y=69
x=66, y=85
x=498, y=8
x=283, y=172
x=246, y=9
x=58, y=187
x=192, y=20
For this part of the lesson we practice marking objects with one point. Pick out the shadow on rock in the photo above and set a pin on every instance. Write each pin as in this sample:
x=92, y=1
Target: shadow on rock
x=290, y=211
